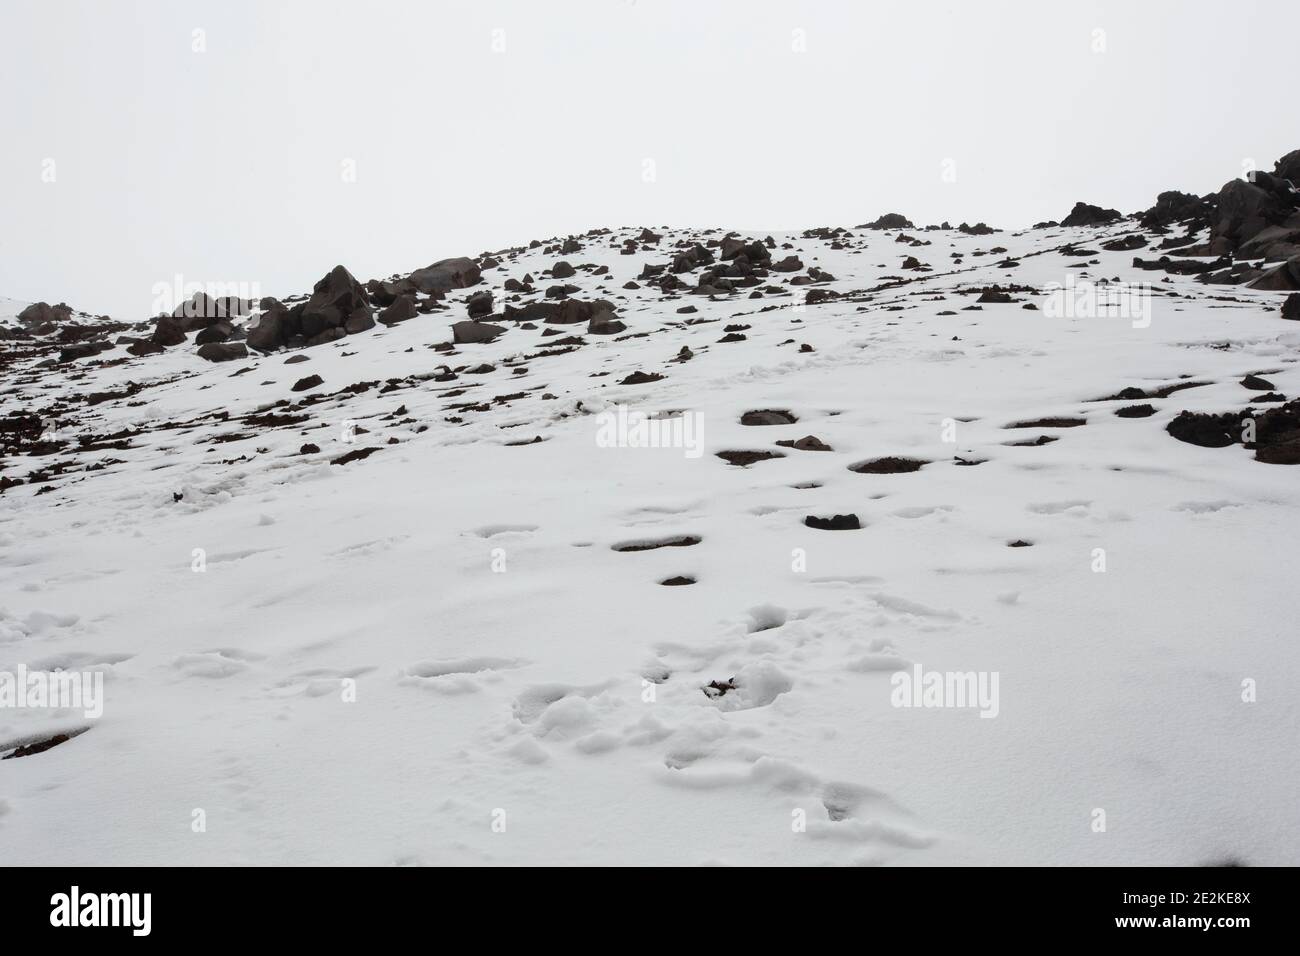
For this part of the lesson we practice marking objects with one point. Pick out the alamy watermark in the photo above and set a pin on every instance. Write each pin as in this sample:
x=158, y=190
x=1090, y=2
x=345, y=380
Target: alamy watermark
x=59, y=690
x=1084, y=299
x=622, y=427
x=946, y=689
x=202, y=300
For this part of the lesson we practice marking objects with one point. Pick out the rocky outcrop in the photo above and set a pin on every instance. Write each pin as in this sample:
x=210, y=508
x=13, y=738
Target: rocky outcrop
x=445, y=275
x=1084, y=214
x=890, y=220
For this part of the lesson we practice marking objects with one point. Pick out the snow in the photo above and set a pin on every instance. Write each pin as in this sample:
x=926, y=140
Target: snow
x=436, y=655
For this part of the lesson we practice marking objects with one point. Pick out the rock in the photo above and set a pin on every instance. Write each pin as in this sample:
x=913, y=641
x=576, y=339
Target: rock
x=1136, y=411
x=268, y=331
x=202, y=310
x=467, y=333
x=386, y=293
x=311, y=381
x=1125, y=243
x=169, y=331
x=1173, y=206
x=83, y=350
x=309, y=449
x=641, y=378
x=788, y=264
x=768, y=416
x=403, y=308
x=605, y=323
x=1283, y=278
x=445, y=275
x=745, y=458
x=223, y=351
x=1207, y=430
x=1282, y=453
x=837, y=523
x=219, y=331
x=1291, y=307
x=334, y=299
x=361, y=321
x=1085, y=215
x=1257, y=384
x=479, y=304
x=42, y=313
x=562, y=270
x=807, y=443
x=889, y=465
x=357, y=454
x=890, y=220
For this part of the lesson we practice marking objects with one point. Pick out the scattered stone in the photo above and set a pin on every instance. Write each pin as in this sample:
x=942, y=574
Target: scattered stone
x=847, y=522
x=1136, y=411
x=807, y=443
x=357, y=454
x=223, y=351
x=641, y=378
x=470, y=332
x=744, y=458
x=401, y=309
x=678, y=541
x=1085, y=215
x=479, y=304
x=768, y=416
x=889, y=465
x=1050, y=423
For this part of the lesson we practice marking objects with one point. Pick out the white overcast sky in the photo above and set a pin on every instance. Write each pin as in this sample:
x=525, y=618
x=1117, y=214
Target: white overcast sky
x=478, y=125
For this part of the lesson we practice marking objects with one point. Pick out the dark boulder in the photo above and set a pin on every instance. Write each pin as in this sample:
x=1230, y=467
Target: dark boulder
x=1283, y=278
x=1084, y=214
x=465, y=333
x=1291, y=307
x=446, y=275
x=605, y=323
x=401, y=310
x=1172, y=206
x=890, y=220
x=83, y=350
x=1206, y=430
x=848, y=522
x=42, y=313
x=219, y=331
x=360, y=321
x=333, y=301
x=223, y=351
x=479, y=304
x=269, y=330
x=169, y=331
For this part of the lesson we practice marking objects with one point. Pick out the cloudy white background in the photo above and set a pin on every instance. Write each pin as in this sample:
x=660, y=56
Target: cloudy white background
x=478, y=125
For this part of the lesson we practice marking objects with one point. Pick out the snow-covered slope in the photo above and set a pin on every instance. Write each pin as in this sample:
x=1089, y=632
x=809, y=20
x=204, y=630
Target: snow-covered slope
x=438, y=653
